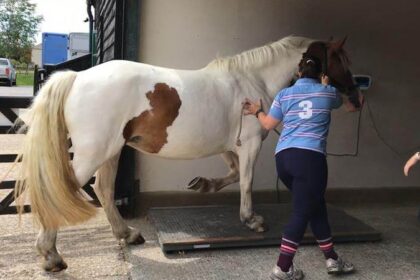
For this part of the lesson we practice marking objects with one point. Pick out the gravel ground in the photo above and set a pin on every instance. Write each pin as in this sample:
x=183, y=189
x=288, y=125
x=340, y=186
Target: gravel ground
x=91, y=252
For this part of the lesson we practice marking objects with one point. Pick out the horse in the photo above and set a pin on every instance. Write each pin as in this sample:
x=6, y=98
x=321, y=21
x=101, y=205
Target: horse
x=170, y=113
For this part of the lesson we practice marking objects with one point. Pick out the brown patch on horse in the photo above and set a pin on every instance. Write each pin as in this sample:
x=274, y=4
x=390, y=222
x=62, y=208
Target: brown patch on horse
x=148, y=131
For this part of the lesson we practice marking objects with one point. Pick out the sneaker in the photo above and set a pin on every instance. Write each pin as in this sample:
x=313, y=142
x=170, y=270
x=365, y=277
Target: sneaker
x=292, y=274
x=339, y=266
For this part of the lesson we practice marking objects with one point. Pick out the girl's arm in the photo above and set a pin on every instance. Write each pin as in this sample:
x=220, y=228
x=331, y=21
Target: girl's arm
x=325, y=80
x=266, y=121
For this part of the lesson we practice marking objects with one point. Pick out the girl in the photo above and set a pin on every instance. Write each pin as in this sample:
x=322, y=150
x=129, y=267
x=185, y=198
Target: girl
x=305, y=110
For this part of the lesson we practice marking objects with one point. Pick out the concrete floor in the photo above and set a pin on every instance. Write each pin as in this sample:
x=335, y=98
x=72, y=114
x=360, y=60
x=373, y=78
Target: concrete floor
x=91, y=252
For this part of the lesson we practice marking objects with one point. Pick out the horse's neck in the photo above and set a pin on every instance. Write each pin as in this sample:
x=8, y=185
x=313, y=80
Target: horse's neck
x=269, y=78
x=266, y=70
x=278, y=74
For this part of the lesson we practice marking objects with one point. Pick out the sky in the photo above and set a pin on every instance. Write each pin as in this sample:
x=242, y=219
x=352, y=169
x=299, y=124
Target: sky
x=61, y=16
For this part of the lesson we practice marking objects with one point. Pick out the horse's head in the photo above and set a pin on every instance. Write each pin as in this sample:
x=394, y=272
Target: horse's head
x=335, y=64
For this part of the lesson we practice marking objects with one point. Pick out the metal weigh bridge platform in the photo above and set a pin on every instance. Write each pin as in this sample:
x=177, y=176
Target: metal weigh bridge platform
x=203, y=227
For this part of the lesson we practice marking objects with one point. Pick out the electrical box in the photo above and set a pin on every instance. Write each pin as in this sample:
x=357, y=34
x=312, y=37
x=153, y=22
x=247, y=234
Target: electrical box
x=363, y=81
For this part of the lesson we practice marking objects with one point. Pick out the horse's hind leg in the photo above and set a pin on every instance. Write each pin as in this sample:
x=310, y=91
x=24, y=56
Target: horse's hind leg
x=104, y=188
x=87, y=159
x=216, y=184
x=45, y=245
x=84, y=167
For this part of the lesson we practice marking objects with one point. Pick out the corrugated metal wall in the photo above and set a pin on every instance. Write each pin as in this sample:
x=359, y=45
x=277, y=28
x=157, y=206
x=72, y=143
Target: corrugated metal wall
x=109, y=28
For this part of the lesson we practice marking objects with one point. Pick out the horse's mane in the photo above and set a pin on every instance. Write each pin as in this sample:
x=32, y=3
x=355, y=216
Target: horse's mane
x=259, y=56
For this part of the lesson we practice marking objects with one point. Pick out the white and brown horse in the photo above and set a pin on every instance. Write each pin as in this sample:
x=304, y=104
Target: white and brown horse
x=165, y=112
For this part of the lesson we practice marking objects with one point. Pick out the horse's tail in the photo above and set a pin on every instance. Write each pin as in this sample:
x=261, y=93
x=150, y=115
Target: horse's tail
x=46, y=170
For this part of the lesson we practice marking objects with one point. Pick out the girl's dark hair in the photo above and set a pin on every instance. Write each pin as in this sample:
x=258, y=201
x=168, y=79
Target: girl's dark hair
x=310, y=67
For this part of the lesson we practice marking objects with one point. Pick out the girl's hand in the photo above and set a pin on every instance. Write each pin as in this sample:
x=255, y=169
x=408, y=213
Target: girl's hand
x=250, y=108
x=325, y=80
x=410, y=163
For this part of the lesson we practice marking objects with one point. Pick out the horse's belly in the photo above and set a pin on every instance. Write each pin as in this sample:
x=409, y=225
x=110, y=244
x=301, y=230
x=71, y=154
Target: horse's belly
x=184, y=143
x=197, y=134
x=184, y=151
x=191, y=149
x=186, y=138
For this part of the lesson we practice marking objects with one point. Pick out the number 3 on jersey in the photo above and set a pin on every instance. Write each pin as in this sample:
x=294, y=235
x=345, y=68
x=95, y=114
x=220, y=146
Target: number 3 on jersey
x=306, y=105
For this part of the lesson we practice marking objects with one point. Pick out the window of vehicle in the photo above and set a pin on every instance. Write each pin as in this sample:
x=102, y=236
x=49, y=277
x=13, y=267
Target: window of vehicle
x=3, y=62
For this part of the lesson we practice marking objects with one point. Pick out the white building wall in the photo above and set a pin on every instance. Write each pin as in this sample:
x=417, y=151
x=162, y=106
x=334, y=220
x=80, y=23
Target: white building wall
x=36, y=54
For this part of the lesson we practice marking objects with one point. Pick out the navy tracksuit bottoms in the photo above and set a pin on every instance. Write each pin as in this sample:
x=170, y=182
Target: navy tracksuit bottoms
x=305, y=174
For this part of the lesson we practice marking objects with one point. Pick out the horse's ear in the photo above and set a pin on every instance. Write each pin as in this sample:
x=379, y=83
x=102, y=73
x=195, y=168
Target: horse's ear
x=343, y=41
x=338, y=45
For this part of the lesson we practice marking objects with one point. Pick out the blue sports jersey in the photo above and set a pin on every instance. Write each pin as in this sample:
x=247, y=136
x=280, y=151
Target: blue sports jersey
x=305, y=109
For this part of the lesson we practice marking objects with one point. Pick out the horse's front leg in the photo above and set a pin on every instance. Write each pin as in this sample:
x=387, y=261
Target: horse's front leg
x=248, y=153
x=104, y=188
x=45, y=245
x=202, y=184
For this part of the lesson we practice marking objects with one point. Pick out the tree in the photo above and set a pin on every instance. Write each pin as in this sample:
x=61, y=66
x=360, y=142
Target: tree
x=18, y=27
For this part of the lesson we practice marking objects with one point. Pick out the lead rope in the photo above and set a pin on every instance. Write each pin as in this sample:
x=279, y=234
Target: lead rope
x=238, y=140
x=325, y=62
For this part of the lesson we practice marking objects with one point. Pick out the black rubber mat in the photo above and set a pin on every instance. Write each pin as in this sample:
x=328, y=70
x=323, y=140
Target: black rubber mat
x=200, y=227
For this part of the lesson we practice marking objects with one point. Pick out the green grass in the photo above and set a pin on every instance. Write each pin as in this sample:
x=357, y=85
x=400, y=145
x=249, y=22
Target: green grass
x=25, y=79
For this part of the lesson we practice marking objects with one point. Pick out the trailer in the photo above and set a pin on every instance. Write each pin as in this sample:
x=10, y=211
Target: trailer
x=78, y=45
x=54, y=48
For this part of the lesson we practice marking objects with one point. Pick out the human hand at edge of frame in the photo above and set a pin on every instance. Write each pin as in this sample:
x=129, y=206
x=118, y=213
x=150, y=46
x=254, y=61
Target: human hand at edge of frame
x=250, y=107
x=411, y=162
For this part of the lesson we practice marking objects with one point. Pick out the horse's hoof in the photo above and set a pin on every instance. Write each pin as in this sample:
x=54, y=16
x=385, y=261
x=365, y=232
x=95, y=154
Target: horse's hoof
x=261, y=228
x=195, y=183
x=201, y=184
x=54, y=266
x=256, y=223
x=256, y=227
x=139, y=240
x=135, y=238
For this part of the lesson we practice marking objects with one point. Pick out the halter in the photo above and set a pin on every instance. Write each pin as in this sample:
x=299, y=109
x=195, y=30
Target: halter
x=325, y=62
x=345, y=90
